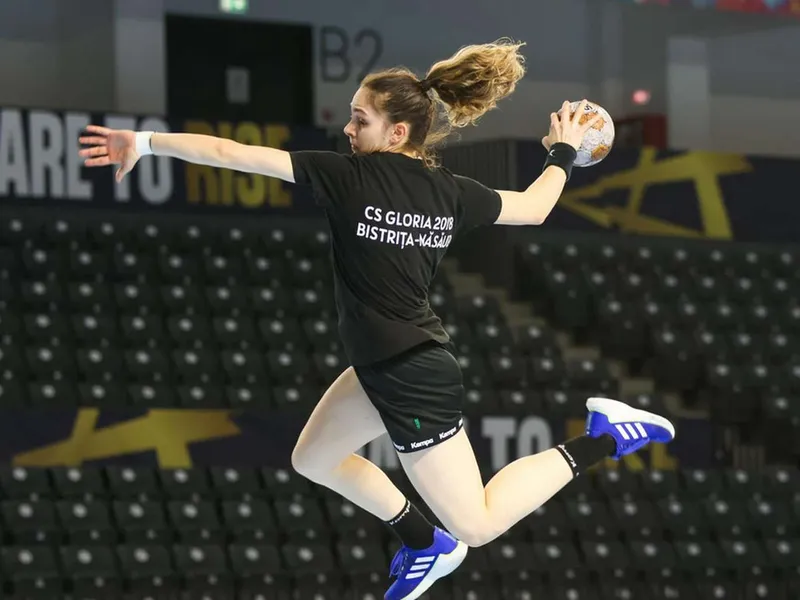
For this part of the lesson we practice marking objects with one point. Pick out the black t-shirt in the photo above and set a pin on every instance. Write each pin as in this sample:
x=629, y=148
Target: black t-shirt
x=391, y=220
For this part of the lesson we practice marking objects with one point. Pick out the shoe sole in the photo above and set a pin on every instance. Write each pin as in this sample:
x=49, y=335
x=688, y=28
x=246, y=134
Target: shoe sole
x=440, y=569
x=610, y=408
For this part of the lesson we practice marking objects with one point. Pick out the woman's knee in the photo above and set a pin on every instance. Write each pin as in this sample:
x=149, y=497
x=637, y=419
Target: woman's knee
x=343, y=421
x=310, y=463
x=475, y=533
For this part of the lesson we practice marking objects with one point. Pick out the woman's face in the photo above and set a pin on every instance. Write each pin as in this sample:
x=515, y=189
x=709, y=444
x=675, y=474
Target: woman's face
x=368, y=130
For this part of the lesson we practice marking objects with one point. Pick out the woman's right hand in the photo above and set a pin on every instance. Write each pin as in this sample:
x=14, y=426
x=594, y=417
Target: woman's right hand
x=566, y=127
x=110, y=147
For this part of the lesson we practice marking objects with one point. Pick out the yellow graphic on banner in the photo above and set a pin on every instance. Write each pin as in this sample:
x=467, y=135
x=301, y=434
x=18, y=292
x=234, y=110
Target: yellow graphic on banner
x=223, y=187
x=168, y=433
x=701, y=168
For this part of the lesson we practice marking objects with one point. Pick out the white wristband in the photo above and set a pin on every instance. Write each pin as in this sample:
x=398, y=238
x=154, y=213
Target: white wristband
x=143, y=147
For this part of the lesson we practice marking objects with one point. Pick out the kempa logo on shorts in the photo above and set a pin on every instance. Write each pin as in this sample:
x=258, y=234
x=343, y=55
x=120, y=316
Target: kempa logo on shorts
x=448, y=433
x=399, y=447
x=422, y=444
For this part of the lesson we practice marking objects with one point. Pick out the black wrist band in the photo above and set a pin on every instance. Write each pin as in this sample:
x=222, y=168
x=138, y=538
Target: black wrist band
x=561, y=155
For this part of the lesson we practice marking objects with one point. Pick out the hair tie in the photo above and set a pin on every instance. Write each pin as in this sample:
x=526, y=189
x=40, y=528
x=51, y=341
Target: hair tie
x=426, y=85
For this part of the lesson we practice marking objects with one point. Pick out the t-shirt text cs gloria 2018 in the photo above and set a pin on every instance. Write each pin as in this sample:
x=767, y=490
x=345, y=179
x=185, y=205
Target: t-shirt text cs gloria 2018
x=391, y=220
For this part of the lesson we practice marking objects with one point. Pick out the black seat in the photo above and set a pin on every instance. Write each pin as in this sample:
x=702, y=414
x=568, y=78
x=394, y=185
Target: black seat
x=147, y=569
x=90, y=298
x=184, y=484
x=132, y=482
x=31, y=522
x=91, y=570
x=204, y=570
x=361, y=557
x=249, y=521
x=147, y=365
x=307, y=558
x=285, y=483
x=195, y=521
x=636, y=518
x=71, y=482
x=233, y=483
x=655, y=558
x=32, y=570
x=350, y=522
x=682, y=518
x=301, y=518
x=559, y=561
x=605, y=556
x=86, y=522
x=141, y=522
x=22, y=483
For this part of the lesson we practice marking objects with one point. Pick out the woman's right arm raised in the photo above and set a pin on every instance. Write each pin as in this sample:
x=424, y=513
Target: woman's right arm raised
x=124, y=148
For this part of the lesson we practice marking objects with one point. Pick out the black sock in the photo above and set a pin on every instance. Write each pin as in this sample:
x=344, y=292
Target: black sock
x=584, y=451
x=412, y=528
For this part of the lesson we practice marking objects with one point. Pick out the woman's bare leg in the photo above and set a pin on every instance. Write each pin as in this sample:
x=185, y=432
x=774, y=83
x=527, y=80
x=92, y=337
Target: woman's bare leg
x=343, y=422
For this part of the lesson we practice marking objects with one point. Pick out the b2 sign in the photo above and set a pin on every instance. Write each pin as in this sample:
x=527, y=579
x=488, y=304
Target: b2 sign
x=344, y=58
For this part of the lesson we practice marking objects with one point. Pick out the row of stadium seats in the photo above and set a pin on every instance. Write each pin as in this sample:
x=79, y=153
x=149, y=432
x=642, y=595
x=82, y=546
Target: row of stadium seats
x=554, y=404
x=304, y=518
x=287, y=384
x=666, y=256
x=107, y=235
x=222, y=531
x=147, y=298
x=571, y=305
x=149, y=295
x=34, y=262
x=191, y=330
x=144, y=362
x=732, y=289
x=594, y=571
x=737, y=291
x=585, y=517
x=707, y=498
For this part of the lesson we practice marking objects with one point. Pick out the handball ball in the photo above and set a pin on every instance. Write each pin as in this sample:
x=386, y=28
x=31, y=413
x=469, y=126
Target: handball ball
x=597, y=142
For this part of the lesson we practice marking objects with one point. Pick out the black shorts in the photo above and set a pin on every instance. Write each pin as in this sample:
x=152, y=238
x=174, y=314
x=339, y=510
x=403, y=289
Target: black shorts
x=419, y=395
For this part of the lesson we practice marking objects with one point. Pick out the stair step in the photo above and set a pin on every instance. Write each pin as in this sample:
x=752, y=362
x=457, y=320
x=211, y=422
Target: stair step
x=632, y=386
x=581, y=353
x=519, y=311
x=677, y=407
x=467, y=285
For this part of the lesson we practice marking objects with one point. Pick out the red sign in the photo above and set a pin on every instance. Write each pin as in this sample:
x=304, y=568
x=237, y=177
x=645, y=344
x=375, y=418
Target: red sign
x=776, y=7
x=787, y=7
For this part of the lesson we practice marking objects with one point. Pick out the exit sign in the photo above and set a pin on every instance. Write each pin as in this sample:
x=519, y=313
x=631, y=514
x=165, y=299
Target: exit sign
x=238, y=7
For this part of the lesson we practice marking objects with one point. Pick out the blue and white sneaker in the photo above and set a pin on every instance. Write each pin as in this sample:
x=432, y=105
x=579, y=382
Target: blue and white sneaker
x=418, y=570
x=630, y=427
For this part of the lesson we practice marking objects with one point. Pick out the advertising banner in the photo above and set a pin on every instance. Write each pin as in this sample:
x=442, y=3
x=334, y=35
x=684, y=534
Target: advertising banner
x=40, y=165
x=685, y=194
x=185, y=438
